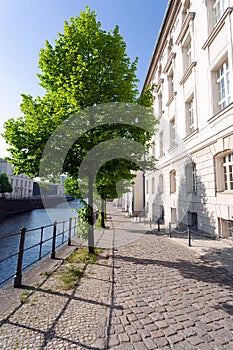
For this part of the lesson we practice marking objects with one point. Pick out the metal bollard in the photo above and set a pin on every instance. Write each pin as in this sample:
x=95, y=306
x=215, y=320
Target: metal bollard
x=189, y=237
x=18, y=275
x=170, y=230
x=150, y=222
x=158, y=225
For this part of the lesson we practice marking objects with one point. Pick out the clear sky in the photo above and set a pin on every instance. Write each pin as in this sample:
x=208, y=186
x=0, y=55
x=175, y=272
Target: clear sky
x=25, y=25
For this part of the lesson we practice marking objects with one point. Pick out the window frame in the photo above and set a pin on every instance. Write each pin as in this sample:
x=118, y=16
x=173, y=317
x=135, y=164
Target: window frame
x=223, y=83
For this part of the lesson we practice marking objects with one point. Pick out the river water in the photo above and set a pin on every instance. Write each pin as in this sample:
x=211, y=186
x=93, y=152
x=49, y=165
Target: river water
x=31, y=220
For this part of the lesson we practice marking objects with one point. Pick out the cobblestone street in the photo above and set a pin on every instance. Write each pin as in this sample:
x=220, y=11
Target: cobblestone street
x=152, y=293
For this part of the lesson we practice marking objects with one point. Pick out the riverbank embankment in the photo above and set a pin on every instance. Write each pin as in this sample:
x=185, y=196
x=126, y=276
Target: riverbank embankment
x=15, y=206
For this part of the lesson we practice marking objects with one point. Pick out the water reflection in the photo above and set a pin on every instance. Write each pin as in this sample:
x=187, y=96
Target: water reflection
x=30, y=220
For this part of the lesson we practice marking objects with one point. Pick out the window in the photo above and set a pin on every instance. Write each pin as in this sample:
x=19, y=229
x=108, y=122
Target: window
x=228, y=172
x=192, y=219
x=172, y=181
x=161, y=151
x=147, y=186
x=160, y=105
x=185, y=10
x=172, y=132
x=191, y=178
x=170, y=84
x=219, y=7
x=223, y=86
x=153, y=185
x=190, y=119
x=187, y=53
x=161, y=183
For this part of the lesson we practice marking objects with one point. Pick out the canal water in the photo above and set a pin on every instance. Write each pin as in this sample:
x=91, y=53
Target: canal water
x=31, y=220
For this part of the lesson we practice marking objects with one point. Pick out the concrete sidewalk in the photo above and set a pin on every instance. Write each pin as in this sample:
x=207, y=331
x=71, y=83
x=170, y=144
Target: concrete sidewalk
x=152, y=292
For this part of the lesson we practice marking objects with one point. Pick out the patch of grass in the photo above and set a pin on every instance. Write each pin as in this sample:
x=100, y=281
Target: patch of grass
x=74, y=266
x=47, y=273
x=70, y=277
x=24, y=296
x=82, y=256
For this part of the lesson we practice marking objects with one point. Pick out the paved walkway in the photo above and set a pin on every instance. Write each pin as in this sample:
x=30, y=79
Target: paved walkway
x=152, y=293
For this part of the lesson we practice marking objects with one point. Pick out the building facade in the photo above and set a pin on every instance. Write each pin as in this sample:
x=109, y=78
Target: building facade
x=21, y=184
x=192, y=69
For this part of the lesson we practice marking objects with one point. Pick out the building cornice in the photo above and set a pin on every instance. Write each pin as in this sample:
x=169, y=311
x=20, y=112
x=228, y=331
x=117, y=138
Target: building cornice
x=184, y=27
x=172, y=10
x=217, y=28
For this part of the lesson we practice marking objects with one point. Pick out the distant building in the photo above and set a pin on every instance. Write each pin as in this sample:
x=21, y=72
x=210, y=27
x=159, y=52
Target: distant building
x=192, y=69
x=22, y=185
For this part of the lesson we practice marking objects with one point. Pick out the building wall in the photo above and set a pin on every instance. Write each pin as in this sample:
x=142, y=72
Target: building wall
x=192, y=60
x=22, y=185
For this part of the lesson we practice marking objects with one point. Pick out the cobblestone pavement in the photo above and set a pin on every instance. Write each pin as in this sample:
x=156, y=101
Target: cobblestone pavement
x=152, y=293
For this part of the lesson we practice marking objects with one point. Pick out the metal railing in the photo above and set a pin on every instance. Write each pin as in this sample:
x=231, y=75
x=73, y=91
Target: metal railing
x=57, y=233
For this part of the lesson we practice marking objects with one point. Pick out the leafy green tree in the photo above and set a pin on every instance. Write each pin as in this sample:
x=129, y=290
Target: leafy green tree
x=86, y=67
x=5, y=186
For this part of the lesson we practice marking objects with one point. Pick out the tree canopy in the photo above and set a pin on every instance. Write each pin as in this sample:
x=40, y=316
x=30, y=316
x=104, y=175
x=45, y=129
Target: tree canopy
x=90, y=99
x=5, y=186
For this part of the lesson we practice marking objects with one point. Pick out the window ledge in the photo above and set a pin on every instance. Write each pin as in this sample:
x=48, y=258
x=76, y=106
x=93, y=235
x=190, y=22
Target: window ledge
x=160, y=82
x=184, y=27
x=171, y=98
x=188, y=72
x=219, y=114
x=169, y=61
x=189, y=136
x=173, y=148
x=217, y=28
x=227, y=192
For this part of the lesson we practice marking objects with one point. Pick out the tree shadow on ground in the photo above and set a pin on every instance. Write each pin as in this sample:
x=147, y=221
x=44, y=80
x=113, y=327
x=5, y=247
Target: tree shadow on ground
x=49, y=333
x=189, y=270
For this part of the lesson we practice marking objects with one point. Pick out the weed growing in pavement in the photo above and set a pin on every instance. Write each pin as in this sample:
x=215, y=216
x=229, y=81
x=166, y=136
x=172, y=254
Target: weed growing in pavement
x=74, y=266
x=24, y=296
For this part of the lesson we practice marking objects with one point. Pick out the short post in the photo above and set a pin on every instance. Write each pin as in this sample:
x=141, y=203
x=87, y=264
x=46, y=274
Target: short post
x=69, y=232
x=18, y=275
x=170, y=230
x=189, y=236
x=150, y=222
x=53, y=253
x=144, y=220
x=158, y=225
x=140, y=219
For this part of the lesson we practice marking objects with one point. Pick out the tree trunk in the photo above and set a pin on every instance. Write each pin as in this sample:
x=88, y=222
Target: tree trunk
x=91, y=248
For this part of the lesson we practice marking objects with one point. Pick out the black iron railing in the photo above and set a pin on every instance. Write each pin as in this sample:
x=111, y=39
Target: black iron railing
x=46, y=239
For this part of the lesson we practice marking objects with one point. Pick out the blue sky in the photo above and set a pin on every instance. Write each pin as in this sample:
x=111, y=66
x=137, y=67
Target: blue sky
x=25, y=25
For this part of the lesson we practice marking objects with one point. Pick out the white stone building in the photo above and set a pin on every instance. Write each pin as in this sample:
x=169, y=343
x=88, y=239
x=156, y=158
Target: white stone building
x=22, y=185
x=192, y=69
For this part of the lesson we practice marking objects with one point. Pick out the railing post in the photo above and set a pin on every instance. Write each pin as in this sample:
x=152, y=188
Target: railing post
x=18, y=275
x=54, y=240
x=189, y=236
x=170, y=230
x=158, y=225
x=41, y=241
x=69, y=232
x=63, y=231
